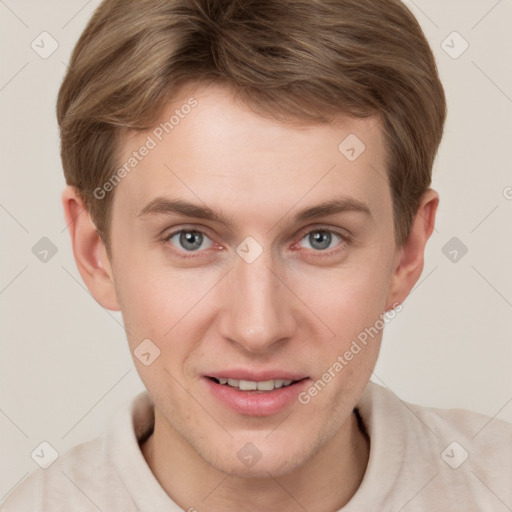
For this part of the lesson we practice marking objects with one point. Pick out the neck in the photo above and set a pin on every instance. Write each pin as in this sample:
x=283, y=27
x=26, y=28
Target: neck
x=326, y=481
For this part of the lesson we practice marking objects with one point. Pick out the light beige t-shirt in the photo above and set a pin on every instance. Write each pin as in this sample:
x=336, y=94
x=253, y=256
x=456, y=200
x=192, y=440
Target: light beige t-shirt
x=421, y=459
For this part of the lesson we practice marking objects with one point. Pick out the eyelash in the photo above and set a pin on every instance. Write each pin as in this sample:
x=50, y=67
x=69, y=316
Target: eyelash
x=345, y=241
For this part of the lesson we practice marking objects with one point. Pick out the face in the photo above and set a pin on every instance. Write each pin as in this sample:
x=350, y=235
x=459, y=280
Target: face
x=268, y=289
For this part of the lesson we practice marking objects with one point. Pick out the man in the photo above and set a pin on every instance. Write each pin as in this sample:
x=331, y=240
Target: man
x=248, y=183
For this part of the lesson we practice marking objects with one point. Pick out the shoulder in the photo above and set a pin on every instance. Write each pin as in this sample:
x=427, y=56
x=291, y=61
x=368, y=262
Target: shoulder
x=454, y=458
x=385, y=408
x=77, y=480
x=92, y=475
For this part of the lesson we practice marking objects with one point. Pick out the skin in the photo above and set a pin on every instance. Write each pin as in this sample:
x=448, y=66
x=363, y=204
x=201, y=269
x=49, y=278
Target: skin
x=295, y=307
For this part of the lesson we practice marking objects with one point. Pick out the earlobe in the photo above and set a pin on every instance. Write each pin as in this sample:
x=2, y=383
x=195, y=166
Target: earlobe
x=411, y=257
x=89, y=250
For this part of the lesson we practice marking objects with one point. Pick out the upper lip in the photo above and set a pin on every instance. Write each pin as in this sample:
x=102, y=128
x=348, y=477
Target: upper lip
x=257, y=376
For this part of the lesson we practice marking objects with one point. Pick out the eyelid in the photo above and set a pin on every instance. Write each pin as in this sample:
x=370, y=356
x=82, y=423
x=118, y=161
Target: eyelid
x=341, y=232
x=199, y=229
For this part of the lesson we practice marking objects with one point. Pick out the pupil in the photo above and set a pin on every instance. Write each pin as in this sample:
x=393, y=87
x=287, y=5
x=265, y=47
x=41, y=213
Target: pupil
x=323, y=238
x=187, y=237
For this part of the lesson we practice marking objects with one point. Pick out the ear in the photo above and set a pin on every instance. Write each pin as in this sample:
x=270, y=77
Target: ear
x=409, y=262
x=89, y=250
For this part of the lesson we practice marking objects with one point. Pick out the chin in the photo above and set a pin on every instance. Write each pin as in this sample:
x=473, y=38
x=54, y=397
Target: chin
x=271, y=460
x=274, y=468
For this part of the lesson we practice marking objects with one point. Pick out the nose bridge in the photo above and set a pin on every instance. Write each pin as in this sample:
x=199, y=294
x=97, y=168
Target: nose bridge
x=258, y=313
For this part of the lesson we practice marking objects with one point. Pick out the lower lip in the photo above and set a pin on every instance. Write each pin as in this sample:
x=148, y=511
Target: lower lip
x=256, y=403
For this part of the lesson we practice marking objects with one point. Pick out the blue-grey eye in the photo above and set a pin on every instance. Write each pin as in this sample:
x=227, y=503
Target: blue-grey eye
x=189, y=240
x=320, y=239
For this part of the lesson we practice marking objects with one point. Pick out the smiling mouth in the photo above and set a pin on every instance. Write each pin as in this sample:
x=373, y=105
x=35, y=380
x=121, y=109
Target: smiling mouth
x=255, y=386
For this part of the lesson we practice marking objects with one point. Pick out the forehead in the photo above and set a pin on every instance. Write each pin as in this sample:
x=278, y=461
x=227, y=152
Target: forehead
x=210, y=148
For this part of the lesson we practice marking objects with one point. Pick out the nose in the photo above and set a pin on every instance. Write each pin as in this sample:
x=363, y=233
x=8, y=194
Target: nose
x=257, y=309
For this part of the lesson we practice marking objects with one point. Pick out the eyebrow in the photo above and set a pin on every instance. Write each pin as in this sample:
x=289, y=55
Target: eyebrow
x=166, y=206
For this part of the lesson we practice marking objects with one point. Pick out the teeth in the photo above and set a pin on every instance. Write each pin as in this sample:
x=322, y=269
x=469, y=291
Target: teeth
x=266, y=385
x=278, y=383
x=251, y=385
x=247, y=385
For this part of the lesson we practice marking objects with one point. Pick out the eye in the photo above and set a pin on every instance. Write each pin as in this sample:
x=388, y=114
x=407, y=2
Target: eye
x=189, y=240
x=321, y=239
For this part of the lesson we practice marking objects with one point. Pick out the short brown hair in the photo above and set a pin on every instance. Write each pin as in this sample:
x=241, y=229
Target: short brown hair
x=302, y=60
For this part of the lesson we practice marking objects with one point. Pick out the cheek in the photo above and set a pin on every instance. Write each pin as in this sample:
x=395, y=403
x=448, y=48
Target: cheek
x=161, y=307
x=142, y=308
x=161, y=303
x=347, y=299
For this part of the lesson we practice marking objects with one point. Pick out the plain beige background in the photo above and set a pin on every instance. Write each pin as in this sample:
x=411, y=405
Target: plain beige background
x=65, y=367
